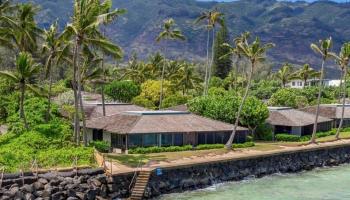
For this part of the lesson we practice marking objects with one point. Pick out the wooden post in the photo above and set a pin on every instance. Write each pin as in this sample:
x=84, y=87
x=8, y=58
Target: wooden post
x=126, y=144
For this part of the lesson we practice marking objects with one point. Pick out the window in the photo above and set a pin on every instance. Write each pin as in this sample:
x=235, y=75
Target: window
x=219, y=137
x=178, y=139
x=201, y=138
x=150, y=140
x=210, y=138
x=167, y=140
x=135, y=140
x=97, y=134
x=293, y=83
x=300, y=83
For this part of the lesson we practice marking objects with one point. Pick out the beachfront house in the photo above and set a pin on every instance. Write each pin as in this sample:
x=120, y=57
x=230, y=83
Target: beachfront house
x=133, y=129
x=291, y=121
x=332, y=111
x=299, y=84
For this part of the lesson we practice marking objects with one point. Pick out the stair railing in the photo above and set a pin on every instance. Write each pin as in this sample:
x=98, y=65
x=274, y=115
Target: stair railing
x=139, y=165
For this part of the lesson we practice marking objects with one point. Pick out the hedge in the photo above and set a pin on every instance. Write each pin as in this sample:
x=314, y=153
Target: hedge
x=284, y=137
x=147, y=150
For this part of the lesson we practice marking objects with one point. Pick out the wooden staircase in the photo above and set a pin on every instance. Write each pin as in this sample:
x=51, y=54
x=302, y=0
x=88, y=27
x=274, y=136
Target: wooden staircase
x=140, y=185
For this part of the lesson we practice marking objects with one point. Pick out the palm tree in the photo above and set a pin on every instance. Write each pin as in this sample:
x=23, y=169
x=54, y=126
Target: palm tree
x=324, y=51
x=186, y=78
x=305, y=73
x=342, y=60
x=168, y=33
x=212, y=18
x=285, y=74
x=20, y=29
x=255, y=53
x=234, y=51
x=26, y=69
x=55, y=48
x=88, y=16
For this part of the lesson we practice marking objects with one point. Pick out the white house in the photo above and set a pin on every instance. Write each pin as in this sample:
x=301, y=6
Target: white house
x=299, y=84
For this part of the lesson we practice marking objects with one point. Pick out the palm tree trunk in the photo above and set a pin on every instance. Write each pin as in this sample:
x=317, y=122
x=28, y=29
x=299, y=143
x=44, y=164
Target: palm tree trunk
x=80, y=97
x=162, y=81
x=320, y=86
x=212, y=58
x=21, y=106
x=343, y=107
x=305, y=80
x=340, y=86
x=103, y=87
x=207, y=66
x=76, y=98
x=49, y=95
x=230, y=141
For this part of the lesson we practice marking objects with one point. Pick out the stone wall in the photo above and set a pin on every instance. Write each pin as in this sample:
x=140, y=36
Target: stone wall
x=94, y=184
x=73, y=185
x=200, y=176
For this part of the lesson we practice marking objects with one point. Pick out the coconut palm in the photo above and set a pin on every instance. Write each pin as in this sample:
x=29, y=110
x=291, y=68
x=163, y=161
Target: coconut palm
x=88, y=15
x=235, y=52
x=212, y=18
x=285, y=74
x=186, y=78
x=26, y=69
x=342, y=60
x=20, y=29
x=168, y=33
x=324, y=50
x=56, y=49
x=305, y=73
x=255, y=53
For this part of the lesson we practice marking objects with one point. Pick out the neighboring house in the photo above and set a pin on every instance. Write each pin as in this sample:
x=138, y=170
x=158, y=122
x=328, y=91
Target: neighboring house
x=312, y=82
x=332, y=111
x=296, y=122
x=160, y=128
x=96, y=110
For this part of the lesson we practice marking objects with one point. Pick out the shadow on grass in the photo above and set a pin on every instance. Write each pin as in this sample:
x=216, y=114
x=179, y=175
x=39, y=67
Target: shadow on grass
x=133, y=160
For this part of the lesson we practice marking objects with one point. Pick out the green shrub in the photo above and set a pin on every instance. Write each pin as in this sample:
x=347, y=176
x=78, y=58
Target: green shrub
x=123, y=91
x=141, y=101
x=101, y=146
x=284, y=137
x=174, y=100
x=243, y=145
x=147, y=150
x=264, y=132
x=209, y=146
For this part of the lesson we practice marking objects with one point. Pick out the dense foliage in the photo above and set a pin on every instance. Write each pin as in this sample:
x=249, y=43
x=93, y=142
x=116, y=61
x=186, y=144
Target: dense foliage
x=122, y=91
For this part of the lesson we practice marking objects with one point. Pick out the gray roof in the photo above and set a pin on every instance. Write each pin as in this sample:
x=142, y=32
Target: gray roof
x=333, y=111
x=96, y=110
x=158, y=122
x=293, y=117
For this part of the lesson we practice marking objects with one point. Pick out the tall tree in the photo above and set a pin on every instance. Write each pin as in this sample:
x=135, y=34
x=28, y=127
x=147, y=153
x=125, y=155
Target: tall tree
x=88, y=15
x=56, y=48
x=285, y=74
x=20, y=28
x=168, y=33
x=212, y=18
x=186, y=78
x=234, y=51
x=305, y=73
x=26, y=69
x=221, y=65
x=342, y=60
x=255, y=53
x=324, y=50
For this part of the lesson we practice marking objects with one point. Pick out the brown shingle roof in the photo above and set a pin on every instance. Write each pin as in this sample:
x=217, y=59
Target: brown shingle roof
x=96, y=110
x=329, y=111
x=293, y=117
x=158, y=122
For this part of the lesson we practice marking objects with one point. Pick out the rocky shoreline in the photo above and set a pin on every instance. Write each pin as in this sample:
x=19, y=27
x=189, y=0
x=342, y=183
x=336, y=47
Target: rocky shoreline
x=94, y=184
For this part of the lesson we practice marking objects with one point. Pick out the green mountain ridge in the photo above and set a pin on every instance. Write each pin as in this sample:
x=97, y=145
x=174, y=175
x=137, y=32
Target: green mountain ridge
x=292, y=26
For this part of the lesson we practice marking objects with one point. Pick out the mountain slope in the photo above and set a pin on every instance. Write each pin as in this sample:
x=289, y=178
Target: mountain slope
x=292, y=26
